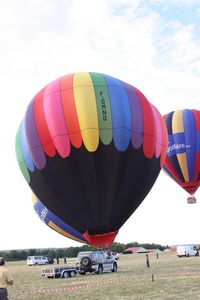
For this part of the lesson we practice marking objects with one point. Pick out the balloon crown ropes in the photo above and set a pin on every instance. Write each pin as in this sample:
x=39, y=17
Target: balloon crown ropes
x=183, y=154
x=91, y=147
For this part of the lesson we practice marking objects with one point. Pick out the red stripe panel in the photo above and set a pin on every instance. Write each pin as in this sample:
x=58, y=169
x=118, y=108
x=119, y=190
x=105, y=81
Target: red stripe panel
x=41, y=125
x=69, y=109
x=149, y=140
x=197, y=118
x=196, y=166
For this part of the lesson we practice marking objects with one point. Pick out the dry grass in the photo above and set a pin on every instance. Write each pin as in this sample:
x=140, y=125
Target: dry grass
x=169, y=277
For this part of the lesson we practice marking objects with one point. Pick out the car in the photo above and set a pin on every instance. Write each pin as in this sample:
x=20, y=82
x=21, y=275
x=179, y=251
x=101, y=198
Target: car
x=95, y=261
x=37, y=260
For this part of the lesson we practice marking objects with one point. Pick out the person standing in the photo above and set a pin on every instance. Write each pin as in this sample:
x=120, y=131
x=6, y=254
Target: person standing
x=5, y=280
x=147, y=261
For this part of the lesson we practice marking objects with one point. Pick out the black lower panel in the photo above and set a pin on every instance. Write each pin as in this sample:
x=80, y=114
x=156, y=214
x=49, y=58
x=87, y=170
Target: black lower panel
x=95, y=191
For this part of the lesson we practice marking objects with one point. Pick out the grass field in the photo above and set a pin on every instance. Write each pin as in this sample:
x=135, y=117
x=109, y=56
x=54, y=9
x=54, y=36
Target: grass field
x=169, y=277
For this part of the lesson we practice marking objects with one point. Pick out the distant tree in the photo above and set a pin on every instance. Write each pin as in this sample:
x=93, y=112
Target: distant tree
x=4, y=254
x=133, y=244
x=22, y=255
x=51, y=253
x=118, y=247
x=31, y=252
x=14, y=255
x=71, y=251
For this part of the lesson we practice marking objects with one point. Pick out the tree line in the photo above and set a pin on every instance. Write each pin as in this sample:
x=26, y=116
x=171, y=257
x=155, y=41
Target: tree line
x=16, y=255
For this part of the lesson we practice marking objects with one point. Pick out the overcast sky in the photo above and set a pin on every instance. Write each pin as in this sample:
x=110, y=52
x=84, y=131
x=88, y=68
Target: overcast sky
x=154, y=45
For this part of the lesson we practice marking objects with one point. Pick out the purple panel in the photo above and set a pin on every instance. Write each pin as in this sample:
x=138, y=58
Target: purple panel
x=34, y=146
x=137, y=117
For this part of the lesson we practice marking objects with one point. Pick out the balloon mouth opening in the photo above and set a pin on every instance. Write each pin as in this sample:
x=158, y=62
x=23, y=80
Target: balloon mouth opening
x=103, y=240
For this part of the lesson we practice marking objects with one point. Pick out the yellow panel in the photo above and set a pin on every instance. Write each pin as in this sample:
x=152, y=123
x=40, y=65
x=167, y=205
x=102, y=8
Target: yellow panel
x=86, y=108
x=182, y=160
x=177, y=127
x=34, y=199
x=177, y=122
x=63, y=232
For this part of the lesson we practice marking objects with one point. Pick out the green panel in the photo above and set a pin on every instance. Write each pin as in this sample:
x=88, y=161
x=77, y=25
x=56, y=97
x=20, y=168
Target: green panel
x=103, y=107
x=20, y=158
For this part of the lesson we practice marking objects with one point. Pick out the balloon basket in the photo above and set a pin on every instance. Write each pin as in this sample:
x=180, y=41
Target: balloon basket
x=191, y=200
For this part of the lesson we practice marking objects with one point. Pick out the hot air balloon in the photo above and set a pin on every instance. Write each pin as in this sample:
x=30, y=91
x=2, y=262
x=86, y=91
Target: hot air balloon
x=182, y=162
x=91, y=147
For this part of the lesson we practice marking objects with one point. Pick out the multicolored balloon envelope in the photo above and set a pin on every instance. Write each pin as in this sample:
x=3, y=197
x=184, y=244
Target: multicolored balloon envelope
x=183, y=155
x=91, y=147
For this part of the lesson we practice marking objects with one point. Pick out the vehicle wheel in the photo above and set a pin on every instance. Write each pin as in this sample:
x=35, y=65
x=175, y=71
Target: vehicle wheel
x=114, y=269
x=72, y=274
x=82, y=273
x=100, y=269
x=65, y=275
x=86, y=261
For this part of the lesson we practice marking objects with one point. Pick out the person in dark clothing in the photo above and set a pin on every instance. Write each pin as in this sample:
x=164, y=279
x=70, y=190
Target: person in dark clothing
x=57, y=260
x=147, y=261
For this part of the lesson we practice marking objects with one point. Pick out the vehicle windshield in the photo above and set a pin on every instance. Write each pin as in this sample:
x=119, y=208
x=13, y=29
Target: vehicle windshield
x=82, y=254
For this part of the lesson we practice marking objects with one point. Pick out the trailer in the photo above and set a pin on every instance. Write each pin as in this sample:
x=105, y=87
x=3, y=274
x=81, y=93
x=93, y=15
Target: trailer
x=59, y=272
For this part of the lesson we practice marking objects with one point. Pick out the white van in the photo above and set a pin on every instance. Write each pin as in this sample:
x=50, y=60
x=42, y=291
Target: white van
x=187, y=250
x=37, y=260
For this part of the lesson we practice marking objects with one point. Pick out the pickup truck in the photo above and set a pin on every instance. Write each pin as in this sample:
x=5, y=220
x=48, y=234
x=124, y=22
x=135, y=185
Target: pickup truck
x=59, y=272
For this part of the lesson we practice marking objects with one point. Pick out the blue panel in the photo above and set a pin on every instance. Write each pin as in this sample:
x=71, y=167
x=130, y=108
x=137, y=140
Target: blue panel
x=177, y=144
x=171, y=151
x=198, y=142
x=121, y=113
x=190, y=140
x=24, y=148
x=35, y=148
x=168, y=121
x=168, y=173
x=46, y=216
